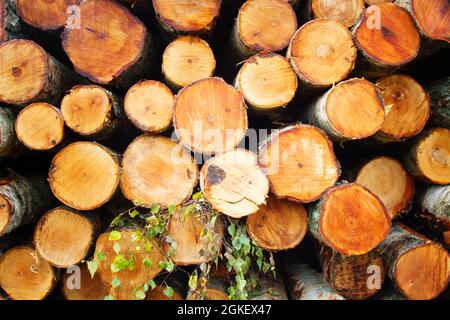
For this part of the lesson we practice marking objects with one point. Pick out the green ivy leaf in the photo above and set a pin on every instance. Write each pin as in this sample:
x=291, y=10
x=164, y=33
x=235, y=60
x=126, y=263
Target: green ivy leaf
x=109, y=297
x=147, y=262
x=170, y=266
x=152, y=284
x=115, y=282
x=100, y=256
x=114, y=235
x=197, y=195
x=92, y=267
x=148, y=247
x=168, y=291
x=155, y=208
x=162, y=264
x=193, y=279
x=171, y=208
x=232, y=229
x=140, y=295
x=134, y=213
x=119, y=263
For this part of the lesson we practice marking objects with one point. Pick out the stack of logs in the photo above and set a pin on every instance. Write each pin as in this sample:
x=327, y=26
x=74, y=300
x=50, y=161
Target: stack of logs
x=109, y=104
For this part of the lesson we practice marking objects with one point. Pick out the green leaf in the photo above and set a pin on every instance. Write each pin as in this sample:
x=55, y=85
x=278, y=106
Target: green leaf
x=152, y=284
x=100, y=257
x=145, y=287
x=171, y=208
x=134, y=213
x=114, y=235
x=155, y=208
x=92, y=267
x=162, y=264
x=170, y=266
x=193, y=279
x=140, y=295
x=197, y=196
x=116, y=247
x=147, y=262
x=232, y=229
x=148, y=247
x=168, y=291
x=115, y=282
x=109, y=297
x=119, y=263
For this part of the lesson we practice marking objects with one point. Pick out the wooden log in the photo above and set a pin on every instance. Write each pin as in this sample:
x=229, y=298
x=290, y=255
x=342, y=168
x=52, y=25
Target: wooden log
x=11, y=27
x=338, y=111
x=262, y=25
x=89, y=289
x=8, y=139
x=210, y=116
x=351, y=276
x=434, y=206
x=64, y=236
x=389, y=180
x=177, y=281
x=158, y=294
x=148, y=105
x=387, y=39
x=234, y=184
x=346, y=12
x=299, y=162
x=427, y=157
x=407, y=105
x=156, y=170
x=215, y=289
x=439, y=92
x=186, y=17
x=24, y=275
x=270, y=289
x=418, y=267
x=322, y=53
x=80, y=168
x=29, y=74
x=40, y=126
x=130, y=278
x=92, y=111
x=23, y=199
x=370, y=2
x=350, y=219
x=187, y=59
x=185, y=229
x=305, y=283
x=45, y=15
x=278, y=225
x=267, y=82
x=107, y=25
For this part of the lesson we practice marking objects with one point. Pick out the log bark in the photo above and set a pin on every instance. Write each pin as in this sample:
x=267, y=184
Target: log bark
x=156, y=170
x=434, y=206
x=387, y=39
x=407, y=105
x=92, y=111
x=268, y=82
x=64, y=236
x=278, y=225
x=322, y=53
x=351, y=276
x=29, y=74
x=427, y=157
x=23, y=199
x=24, y=275
x=305, y=283
x=270, y=289
x=106, y=24
x=389, y=180
x=417, y=266
x=262, y=25
x=338, y=111
x=210, y=116
x=186, y=60
x=40, y=126
x=8, y=139
x=439, y=92
x=11, y=27
x=350, y=219
x=148, y=105
x=234, y=184
x=80, y=168
x=90, y=288
x=215, y=289
x=300, y=163
x=346, y=12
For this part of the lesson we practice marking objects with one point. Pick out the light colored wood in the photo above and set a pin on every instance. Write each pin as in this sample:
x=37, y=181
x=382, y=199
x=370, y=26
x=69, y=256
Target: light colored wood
x=216, y=289
x=40, y=126
x=267, y=82
x=389, y=180
x=343, y=11
x=300, y=163
x=157, y=170
x=148, y=105
x=350, y=219
x=91, y=288
x=234, y=184
x=407, y=105
x=210, y=116
x=370, y=2
x=434, y=206
x=278, y=225
x=187, y=59
x=84, y=175
x=24, y=275
x=322, y=53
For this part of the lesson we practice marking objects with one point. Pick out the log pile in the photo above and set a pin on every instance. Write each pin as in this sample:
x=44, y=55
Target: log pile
x=258, y=149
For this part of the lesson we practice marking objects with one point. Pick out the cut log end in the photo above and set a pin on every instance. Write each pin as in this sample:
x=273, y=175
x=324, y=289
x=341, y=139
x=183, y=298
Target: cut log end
x=157, y=170
x=24, y=275
x=44, y=14
x=422, y=273
x=322, y=52
x=389, y=180
x=353, y=220
x=24, y=71
x=210, y=116
x=187, y=59
x=148, y=105
x=80, y=168
x=433, y=18
x=394, y=42
x=63, y=237
x=300, y=163
x=90, y=288
x=408, y=107
x=40, y=126
x=278, y=225
x=267, y=81
x=346, y=12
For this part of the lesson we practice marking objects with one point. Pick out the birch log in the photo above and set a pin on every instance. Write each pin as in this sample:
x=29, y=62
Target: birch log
x=434, y=206
x=8, y=139
x=11, y=27
x=439, y=92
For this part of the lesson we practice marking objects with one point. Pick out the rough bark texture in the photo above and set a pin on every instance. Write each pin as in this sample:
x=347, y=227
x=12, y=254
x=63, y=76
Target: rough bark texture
x=439, y=92
x=434, y=205
x=8, y=140
x=270, y=289
x=11, y=27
